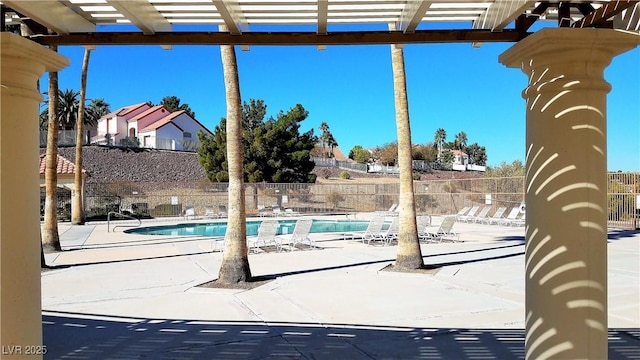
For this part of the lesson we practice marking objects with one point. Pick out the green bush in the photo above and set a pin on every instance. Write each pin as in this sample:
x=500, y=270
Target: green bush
x=345, y=175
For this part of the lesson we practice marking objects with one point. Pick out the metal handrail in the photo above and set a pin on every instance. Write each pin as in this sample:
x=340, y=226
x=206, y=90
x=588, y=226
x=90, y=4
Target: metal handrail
x=122, y=215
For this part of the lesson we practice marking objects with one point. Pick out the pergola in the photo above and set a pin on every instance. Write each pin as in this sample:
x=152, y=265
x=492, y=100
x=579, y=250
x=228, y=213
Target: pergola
x=566, y=232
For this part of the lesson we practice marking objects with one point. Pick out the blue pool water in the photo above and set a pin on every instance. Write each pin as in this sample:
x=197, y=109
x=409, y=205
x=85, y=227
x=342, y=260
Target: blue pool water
x=220, y=228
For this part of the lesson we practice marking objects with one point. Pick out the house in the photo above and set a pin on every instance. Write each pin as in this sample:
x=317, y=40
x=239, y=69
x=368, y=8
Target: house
x=460, y=157
x=150, y=127
x=65, y=170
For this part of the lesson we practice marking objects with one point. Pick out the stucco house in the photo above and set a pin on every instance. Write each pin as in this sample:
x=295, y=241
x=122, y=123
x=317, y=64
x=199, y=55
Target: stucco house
x=151, y=126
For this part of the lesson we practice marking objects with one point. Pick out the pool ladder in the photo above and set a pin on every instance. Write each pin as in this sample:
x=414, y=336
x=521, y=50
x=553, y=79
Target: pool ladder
x=121, y=215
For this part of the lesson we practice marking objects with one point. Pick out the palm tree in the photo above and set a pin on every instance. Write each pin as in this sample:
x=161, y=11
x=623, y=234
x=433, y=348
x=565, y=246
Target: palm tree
x=67, y=112
x=409, y=255
x=461, y=140
x=439, y=138
x=331, y=141
x=324, y=136
x=50, y=237
x=77, y=213
x=97, y=109
x=235, y=260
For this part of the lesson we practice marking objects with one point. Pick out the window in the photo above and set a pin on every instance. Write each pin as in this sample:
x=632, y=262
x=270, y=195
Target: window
x=186, y=135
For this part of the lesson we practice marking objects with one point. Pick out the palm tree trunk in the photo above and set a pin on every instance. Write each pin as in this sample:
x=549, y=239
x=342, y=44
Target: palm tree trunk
x=50, y=238
x=235, y=260
x=409, y=255
x=77, y=208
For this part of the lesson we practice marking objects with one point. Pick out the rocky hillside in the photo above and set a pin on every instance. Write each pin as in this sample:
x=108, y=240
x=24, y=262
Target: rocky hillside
x=106, y=164
x=109, y=164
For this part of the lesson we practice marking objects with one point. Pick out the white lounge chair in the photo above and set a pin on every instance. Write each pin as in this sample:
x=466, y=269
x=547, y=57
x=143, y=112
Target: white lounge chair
x=209, y=213
x=189, y=211
x=442, y=232
x=470, y=215
x=496, y=216
x=222, y=211
x=290, y=212
x=482, y=215
x=392, y=232
x=266, y=236
x=300, y=235
x=511, y=217
x=423, y=223
x=462, y=212
x=373, y=231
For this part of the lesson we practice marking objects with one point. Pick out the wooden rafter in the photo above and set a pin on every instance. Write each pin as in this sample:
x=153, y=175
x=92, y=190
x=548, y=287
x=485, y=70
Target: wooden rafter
x=230, y=12
x=323, y=7
x=524, y=21
x=282, y=38
x=54, y=15
x=412, y=15
x=142, y=14
x=604, y=13
x=501, y=13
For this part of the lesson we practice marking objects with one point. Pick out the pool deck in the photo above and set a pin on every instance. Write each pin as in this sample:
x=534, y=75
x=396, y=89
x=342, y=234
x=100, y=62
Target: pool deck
x=125, y=296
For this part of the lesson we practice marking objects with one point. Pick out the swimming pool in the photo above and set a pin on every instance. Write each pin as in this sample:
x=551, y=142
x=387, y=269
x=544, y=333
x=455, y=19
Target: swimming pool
x=220, y=228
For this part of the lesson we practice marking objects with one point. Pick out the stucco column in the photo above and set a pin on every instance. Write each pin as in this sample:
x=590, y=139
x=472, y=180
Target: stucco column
x=566, y=188
x=22, y=63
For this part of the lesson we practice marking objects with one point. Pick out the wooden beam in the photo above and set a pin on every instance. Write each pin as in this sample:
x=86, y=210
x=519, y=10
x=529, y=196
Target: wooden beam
x=604, y=13
x=230, y=12
x=142, y=14
x=564, y=14
x=281, y=38
x=412, y=15
x=323, y=10
x=524, y=21
x=629, y=19
x=54, y=15
x=501, y=13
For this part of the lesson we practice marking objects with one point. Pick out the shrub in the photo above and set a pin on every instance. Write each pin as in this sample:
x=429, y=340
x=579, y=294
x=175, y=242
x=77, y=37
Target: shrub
x=335, y=199
x=325, y=172
x=345, y=175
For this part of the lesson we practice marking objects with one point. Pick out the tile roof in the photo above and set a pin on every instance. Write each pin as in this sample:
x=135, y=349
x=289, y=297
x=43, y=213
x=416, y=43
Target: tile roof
x=149, y=111
x=64, y=166
x=164, y=121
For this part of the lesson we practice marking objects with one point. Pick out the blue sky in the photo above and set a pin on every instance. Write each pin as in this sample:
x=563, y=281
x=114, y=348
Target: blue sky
x=453, y=86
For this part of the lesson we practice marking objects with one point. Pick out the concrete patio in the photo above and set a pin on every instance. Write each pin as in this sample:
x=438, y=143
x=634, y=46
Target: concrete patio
x=126, y=296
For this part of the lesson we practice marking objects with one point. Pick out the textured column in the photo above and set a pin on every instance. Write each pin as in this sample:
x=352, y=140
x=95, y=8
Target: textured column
x=566, y=188
x=22, y=63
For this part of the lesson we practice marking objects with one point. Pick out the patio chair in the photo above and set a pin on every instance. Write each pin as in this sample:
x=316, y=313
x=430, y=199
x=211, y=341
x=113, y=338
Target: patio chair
x=300, y=235
x=189, y=211
x=392, y=232
x=373, y=230
x=482, y=215
x=276, y=211
x=472, y=212
x=209, y=213
x=222, y=211
x=266, y=236
x=496, y=216
x=393, y=211
x=462, y=212
x=423, y=222
x=290, y=212
x=442, y=232
x=262, y=212
x=511, y=217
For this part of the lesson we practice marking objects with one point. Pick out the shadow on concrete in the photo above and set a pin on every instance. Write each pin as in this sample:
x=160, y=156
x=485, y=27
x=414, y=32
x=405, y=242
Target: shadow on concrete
x=87, y=336
x=619, y=234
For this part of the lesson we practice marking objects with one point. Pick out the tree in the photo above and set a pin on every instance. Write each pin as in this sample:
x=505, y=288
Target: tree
x=425, y=152
x=446, y=158
x=235, y=259
x=461, y=140
x=50, y=236
x=387, y=154
x=359, y=154
x=409, y=255
x=516, y=168
x=439, y=139
x=77, y=213
x=172, y=103
x=67, y=111
x=324, y=133
x=477, y=154
x=274, y=150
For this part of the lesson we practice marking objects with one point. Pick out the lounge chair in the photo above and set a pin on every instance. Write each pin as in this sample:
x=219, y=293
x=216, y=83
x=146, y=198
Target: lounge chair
x=423, y=222
x=442, y=232
x=511, y=217
x=496, y=216
x=470, y=215
x=300, y=235
x=262, y=211
x=276, y=211
x=266, y=236
x=222, y=211
x=462, y=212
x=392, y=232
x=209, y=213
x=290, y=212
x=373, y=231
x=189, y=211
x=482, y=215
x=393, y=211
